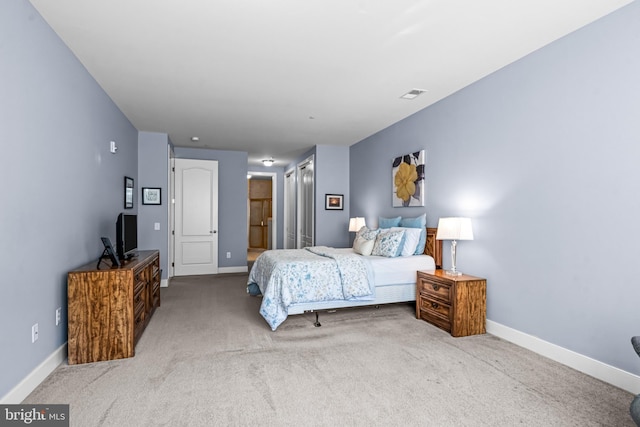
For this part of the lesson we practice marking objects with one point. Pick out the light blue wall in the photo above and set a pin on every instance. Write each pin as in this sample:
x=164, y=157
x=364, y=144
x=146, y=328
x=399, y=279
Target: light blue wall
x=232, y=201
x=332, y=177
x=153, y=171
x=543, y=156
x=62, y=189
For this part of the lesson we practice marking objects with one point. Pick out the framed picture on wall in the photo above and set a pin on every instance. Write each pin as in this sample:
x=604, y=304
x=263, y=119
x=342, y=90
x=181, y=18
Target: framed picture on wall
x=407, y=179
x=151, y=196
x=128, y=192
x=333, y=202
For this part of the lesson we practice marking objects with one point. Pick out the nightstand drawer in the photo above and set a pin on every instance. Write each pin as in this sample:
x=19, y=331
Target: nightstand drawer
x=436, y=307
x=437, y=290
x=435, y=319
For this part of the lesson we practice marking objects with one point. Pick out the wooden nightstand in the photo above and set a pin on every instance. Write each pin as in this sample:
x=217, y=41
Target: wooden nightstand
x=457, y=304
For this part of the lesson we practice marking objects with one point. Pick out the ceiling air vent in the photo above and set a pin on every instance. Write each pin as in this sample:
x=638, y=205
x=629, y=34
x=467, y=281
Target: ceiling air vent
x=413, y=93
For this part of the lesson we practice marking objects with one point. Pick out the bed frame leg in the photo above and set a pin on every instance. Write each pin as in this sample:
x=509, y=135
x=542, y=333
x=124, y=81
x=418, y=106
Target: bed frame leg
x=317, y=323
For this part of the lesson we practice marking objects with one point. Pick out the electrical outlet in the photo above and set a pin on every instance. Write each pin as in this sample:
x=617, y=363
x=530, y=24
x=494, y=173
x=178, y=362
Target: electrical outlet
x=58, y=310
x=34, y=333
x=228, y=254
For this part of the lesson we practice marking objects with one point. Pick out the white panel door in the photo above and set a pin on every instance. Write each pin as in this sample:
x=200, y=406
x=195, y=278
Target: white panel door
x=196, y=216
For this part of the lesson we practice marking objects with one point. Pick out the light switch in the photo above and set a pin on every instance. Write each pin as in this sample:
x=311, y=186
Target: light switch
x=156, y=226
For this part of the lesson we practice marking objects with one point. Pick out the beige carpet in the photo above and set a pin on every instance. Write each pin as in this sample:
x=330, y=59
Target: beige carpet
x=208, y=359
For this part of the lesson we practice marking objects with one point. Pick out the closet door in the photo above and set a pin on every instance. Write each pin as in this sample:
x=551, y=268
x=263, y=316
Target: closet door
x=290, y=209
x=305, y=204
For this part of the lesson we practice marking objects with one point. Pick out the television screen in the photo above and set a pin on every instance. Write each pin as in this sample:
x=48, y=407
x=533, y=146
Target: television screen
x=126, y=235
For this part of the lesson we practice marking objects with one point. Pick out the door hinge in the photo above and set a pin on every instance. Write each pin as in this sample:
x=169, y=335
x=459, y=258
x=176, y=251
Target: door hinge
x=173, y=264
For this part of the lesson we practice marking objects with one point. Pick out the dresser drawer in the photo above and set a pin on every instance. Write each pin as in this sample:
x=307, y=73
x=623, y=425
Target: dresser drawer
x=138, y=286
x=138, y=297
x=441, y=291
x=138, y=319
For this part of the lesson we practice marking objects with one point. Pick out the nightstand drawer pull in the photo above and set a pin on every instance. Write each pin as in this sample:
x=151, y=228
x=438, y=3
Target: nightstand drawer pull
x=435, y=287
x=435, y=305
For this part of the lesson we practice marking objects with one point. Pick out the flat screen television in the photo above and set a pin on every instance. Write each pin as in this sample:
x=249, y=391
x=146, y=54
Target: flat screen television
x=126, y=235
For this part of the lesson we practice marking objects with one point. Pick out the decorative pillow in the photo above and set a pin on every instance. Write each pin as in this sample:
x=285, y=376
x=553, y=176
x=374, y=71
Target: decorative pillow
x=411, y=240
x=363, y=246
x=421, y=223
x=367, y=234
x=388, y=222
x=388, y=243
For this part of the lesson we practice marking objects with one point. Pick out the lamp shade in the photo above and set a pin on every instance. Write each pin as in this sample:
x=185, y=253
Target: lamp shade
x=454, y=229
x=355, y=224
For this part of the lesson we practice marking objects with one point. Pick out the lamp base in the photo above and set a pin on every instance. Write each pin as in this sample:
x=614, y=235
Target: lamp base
x=453, y=273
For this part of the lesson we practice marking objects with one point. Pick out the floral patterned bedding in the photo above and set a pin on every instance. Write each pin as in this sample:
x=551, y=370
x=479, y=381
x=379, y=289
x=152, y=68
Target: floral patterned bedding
x=319, y=273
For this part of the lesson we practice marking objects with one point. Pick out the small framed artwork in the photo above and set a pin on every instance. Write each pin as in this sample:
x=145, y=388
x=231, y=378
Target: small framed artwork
x=151, y=196
x=333, y=202
x=128, y=192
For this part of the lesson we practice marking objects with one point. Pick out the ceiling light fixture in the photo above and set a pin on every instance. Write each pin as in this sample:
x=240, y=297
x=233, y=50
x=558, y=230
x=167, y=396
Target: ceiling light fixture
x=413, y=93
x=268, y=162
x=195, y=138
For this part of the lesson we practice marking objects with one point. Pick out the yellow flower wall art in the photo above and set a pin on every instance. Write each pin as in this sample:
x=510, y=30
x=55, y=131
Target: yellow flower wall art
x=408, y=179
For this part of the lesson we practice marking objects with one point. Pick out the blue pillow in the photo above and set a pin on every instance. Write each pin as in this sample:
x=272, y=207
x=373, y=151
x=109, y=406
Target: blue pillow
x=417, y=222
x=388, y=222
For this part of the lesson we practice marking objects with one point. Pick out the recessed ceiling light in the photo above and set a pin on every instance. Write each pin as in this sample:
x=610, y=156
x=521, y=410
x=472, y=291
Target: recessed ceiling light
x=268, y=162
x=413, y=93
x=195, y=138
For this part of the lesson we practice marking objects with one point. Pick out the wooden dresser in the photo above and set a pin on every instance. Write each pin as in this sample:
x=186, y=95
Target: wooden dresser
x=457, y=304
x=109, y=308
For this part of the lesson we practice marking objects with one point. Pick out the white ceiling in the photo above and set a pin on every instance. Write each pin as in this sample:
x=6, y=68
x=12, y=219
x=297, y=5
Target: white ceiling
x=274, y=78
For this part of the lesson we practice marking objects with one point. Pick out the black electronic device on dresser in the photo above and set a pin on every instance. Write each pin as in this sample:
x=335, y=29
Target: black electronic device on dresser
x=126, y=235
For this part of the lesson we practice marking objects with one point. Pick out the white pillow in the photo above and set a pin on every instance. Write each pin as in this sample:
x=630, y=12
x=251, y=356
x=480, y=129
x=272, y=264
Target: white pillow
x=363, y=246
x=411, y=240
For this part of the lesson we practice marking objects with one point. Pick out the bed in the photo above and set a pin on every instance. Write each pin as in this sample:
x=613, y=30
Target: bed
x=296, y=281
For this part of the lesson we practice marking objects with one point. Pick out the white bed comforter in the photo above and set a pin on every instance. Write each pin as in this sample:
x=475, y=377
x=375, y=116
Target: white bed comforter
x=319, y=273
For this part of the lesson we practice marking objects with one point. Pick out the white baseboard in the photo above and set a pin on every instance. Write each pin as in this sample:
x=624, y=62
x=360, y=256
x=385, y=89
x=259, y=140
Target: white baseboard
x=164, y=283
x=33, y=380
x=241, y=269
x=607, y=373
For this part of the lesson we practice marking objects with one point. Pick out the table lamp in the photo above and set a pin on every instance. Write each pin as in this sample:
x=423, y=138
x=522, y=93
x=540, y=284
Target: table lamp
x=454, y=229
x=355, y=224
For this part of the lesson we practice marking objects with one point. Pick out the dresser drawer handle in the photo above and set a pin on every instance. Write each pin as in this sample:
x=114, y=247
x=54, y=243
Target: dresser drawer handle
x=434, y=305
x=435, y=287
